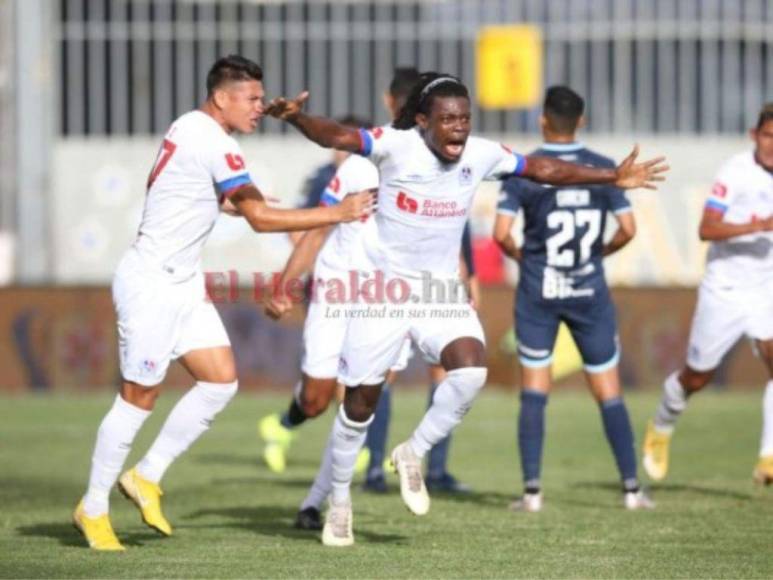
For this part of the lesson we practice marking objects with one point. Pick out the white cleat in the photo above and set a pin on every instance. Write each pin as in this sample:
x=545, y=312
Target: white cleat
x=337, y=531
x=637, y=500
x=412, y=488
x=530, y=502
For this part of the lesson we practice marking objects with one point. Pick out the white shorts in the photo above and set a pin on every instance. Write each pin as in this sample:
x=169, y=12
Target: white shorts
x=722, y=316
x=159, y=321
x=325, y=330
x=376, y=337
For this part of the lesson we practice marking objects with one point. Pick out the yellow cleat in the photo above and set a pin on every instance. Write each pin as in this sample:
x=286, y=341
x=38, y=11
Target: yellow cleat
x=146, y=495
x=655, y=454
x=277, y=439
x=763, y=472
x=363, y=460
x=98, y=531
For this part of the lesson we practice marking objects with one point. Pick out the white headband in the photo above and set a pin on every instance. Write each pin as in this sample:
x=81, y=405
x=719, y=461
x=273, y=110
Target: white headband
x=436, y=82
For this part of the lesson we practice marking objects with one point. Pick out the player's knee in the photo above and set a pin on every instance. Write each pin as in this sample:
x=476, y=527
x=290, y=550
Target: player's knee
x=313, y=405
x=140, y=395
x=693, y=381
x=466, y=352
x=360, y=402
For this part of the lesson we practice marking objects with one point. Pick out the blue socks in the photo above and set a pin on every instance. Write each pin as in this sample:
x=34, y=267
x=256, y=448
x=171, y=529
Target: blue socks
x=531, y=435
x=438, y=455
x=617, y=426
x=378, y=432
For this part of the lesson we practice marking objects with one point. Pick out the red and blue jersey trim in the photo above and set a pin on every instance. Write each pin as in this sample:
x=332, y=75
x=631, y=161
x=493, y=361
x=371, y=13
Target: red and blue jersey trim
x=366, y=142
x=714, y=205
x=520, y=164
x=328, y=199
x=228, y=186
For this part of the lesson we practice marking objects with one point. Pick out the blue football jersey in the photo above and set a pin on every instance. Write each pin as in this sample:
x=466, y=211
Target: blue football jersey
x=563, y=229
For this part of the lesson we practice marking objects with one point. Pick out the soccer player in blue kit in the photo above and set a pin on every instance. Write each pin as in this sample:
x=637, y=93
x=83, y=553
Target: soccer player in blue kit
x=562, y=280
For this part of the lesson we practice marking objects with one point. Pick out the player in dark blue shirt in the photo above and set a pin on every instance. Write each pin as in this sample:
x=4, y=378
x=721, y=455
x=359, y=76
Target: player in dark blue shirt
x=561, y=279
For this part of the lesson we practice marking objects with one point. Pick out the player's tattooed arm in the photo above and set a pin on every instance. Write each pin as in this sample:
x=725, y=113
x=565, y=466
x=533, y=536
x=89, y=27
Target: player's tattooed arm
x=249, y=202
x=322, y=131
x=299, y=264
x=712, y=227
x=626, y=230
x=503, y=236
x=628, y=175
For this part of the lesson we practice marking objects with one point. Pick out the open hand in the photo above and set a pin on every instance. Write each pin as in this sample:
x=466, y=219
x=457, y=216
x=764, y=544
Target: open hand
x=631, y=175
x=358, y=206
x=287, y=109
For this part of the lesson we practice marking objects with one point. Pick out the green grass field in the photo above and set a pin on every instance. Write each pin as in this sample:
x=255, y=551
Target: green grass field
x=233, y=517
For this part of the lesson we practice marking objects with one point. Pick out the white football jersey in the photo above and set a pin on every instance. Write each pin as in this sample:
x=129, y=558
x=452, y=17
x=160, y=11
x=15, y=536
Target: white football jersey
x=198, y=164
x=742, y=192
x=424, y=203
x=355, y=174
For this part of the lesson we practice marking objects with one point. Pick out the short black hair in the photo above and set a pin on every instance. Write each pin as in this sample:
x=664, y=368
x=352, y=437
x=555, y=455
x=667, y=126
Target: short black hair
x=766, y=114
x=562, y=109
x=430, y=85
x=354, y=121
x=232, y=68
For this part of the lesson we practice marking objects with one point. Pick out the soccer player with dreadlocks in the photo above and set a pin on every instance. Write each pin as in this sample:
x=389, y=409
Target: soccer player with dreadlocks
x=430, y=167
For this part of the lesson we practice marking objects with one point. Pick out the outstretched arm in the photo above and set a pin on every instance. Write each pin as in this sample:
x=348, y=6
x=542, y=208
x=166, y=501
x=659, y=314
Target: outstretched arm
x=249, y=202
x=321, y=130
x=627, y=175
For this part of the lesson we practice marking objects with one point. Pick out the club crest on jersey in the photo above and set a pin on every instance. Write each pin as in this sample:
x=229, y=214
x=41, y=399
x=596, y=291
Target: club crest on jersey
x=465, y=175
x=719, y=189
x=148, y=366
x=235, y=161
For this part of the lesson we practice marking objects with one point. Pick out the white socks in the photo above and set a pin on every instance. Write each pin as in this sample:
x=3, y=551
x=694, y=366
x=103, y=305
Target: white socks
x=673, y=402
x=323, y=482
x=453, y=398
x=191, y=417
x=766, y=446
x=114, y=441
x=347, y=438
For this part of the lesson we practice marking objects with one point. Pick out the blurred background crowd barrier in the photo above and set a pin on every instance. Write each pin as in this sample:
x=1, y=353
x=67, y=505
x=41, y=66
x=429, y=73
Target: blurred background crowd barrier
x=88, y=86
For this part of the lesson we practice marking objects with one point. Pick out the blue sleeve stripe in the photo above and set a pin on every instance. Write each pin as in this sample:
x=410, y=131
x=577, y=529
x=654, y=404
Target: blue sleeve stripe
x=624, y=209
x=534, y=363
x=507, y=211
x=229, y=185
x=366, y=143
x=714, y=204
x=520, y=164
x=328, y=198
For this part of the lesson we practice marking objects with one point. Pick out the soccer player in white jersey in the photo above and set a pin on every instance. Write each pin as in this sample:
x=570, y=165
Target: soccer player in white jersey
x=430, y=167
x=735, y=297
x=159, y=294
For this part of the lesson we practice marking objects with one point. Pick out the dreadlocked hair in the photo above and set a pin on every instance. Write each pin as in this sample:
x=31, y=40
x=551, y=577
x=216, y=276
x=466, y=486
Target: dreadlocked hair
x=430, y=85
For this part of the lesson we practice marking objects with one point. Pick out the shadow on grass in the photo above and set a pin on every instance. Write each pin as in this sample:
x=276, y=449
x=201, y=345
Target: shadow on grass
x=67, y=535
x=252, y=459
x=665, y=488
x=276, y=480
x=275, y=522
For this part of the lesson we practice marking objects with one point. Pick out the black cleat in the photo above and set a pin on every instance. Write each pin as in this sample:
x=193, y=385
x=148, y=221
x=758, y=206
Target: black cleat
x=446, y=483
x=308, y=519
x=376, y=484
